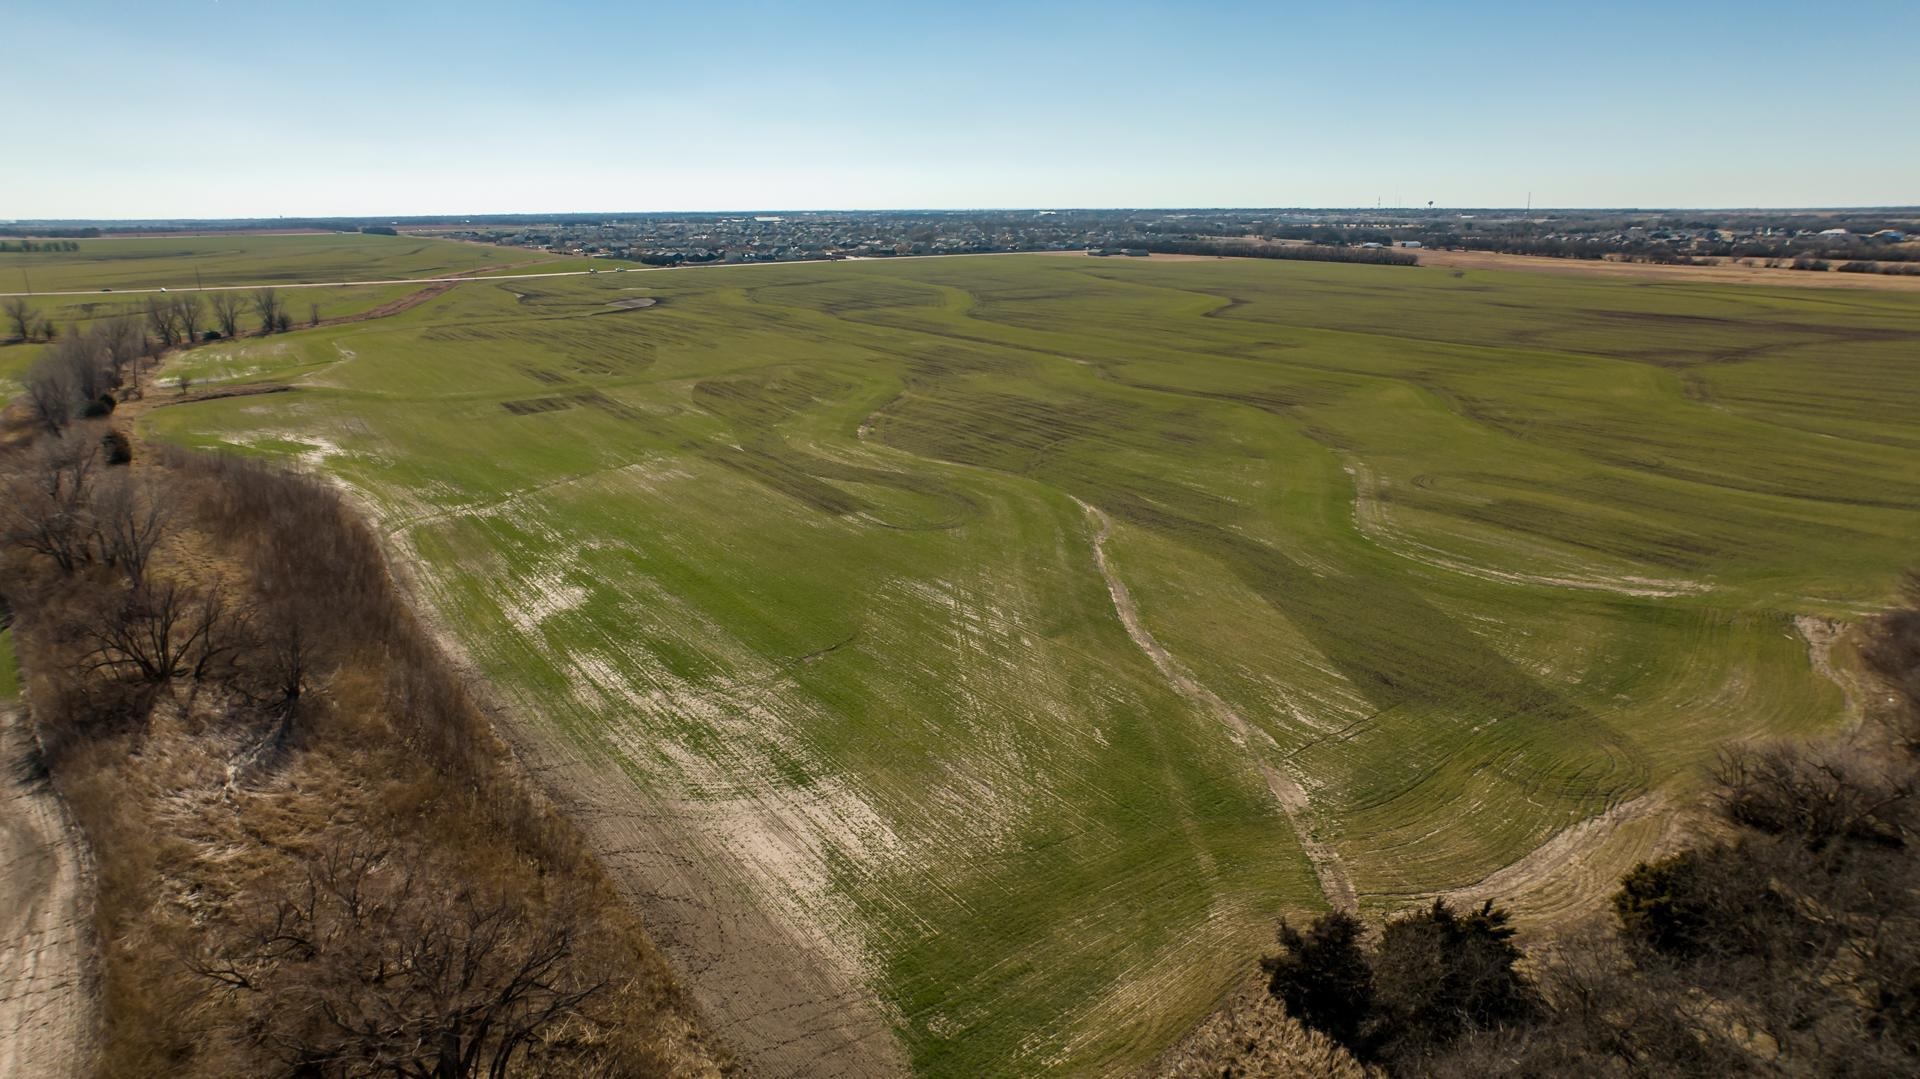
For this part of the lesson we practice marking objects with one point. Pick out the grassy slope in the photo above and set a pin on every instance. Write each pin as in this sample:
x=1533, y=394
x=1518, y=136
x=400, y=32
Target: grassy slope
x=799, y=550
x=9, y=668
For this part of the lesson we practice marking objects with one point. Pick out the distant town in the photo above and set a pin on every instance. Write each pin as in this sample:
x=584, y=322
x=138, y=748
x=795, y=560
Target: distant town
x=1848, y=240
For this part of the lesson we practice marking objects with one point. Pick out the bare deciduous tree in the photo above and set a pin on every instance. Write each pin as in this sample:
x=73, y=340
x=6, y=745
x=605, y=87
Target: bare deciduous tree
x=48, y=510
x=51, y=393
x=266, y=304
x=85, y=354
x=159, y=631
x=187, y=311
x=21, y=314
x=279, y=665
x=129, y=520
x=124, y=345
x=378, y=968
x=160, y=318
x=227, y=305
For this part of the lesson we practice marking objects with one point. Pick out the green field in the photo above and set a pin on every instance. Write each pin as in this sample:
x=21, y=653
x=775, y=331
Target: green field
x=183, y=262
x=106, y=268
x=809, y=552
x=9, y=668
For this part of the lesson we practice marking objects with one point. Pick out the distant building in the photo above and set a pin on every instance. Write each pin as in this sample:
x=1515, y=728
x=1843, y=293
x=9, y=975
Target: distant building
x=1407, y=243
x=1835, y=232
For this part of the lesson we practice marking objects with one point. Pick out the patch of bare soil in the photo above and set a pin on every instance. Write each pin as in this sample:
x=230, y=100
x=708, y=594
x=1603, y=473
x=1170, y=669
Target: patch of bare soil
x=1822, y=634
x=766, y=989
x=1577, y=867
x=1286, y=790
x=768, y=993
x=47, y=1005
x=1724, y=273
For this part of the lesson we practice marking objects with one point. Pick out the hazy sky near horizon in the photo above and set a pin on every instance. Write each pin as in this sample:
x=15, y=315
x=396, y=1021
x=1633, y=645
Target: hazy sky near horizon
x=243, y=108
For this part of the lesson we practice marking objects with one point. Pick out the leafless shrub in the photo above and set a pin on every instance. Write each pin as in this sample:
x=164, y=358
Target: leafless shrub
x=1814, y=796
x=77, y=712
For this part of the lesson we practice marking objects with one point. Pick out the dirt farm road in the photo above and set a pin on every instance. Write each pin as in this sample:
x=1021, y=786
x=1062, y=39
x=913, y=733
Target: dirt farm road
x=46, y=1008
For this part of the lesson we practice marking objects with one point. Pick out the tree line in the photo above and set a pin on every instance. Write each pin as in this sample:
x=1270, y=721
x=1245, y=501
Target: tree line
x=179, y=318
x=86, y=371
x=1786, y=943
x=31, y=247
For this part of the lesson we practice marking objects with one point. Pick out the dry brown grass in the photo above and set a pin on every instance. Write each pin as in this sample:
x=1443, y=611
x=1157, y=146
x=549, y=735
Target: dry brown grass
x=1723, y=273
x=1251, y=1036
x=204, y=811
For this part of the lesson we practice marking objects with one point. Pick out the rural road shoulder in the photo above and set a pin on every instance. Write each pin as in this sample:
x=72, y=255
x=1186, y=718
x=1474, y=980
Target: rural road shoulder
x=46, y=1007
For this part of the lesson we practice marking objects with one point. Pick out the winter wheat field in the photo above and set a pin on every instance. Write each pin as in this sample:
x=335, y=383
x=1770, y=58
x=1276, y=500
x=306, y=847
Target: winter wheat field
x=964, y=661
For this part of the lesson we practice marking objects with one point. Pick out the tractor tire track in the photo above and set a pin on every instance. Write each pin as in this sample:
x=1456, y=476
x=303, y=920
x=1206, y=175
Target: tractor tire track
x=1286, y=790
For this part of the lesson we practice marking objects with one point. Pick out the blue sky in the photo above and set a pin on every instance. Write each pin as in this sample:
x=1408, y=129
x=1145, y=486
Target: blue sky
x=262, y=108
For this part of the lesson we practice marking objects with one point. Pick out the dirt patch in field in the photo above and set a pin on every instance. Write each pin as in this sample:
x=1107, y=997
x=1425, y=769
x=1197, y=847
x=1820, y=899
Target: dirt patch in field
x=47, y=1007
x=1647, y=271
x=1573, y=872
x=1822, y=635
x=767, y=991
